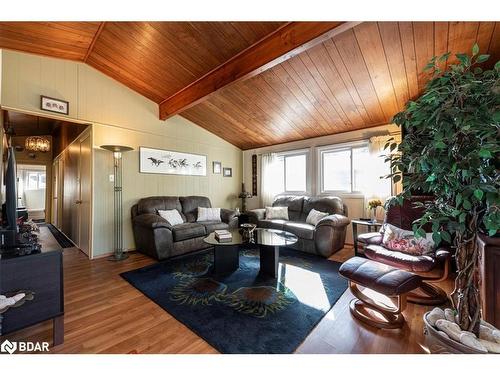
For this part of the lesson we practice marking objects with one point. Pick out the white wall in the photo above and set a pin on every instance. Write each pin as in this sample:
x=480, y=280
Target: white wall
x=355, y=203
x=118, y=115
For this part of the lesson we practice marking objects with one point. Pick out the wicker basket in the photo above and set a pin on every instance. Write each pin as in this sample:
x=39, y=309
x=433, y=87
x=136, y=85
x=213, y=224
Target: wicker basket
x=439, y=344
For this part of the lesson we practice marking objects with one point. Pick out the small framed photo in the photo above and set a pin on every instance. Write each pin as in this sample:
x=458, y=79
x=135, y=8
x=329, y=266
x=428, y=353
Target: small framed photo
x=216, y=167
x=227, y=172
x=54, y=105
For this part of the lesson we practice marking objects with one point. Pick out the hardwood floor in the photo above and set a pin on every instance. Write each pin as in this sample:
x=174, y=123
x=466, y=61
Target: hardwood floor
x=105, y=314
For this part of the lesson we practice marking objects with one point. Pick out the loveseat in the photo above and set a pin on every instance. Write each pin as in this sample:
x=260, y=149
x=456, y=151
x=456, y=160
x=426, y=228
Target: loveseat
x=154, y=236
x=324, y=238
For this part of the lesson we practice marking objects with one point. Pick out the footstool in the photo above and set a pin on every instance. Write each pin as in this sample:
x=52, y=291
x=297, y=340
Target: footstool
x=389, y=281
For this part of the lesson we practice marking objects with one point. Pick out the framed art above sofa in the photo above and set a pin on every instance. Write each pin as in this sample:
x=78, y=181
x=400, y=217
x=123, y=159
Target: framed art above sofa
x=153, y=160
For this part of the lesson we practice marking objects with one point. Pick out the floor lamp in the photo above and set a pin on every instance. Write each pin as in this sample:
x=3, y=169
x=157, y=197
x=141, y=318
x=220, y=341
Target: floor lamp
x=117, y=151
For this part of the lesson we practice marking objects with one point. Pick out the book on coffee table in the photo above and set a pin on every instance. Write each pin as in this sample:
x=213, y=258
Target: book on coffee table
x=223, y=235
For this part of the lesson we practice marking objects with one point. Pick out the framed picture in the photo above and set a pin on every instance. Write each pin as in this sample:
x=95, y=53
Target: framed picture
x=152, y=160
x=54, y=105
x=227, y=172
x=216, y=167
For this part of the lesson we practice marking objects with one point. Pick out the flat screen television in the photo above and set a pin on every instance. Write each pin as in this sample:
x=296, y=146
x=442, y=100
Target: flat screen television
x=9, y=214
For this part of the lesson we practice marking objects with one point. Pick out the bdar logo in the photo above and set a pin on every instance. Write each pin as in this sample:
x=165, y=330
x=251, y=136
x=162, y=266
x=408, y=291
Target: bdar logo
x=8, y=347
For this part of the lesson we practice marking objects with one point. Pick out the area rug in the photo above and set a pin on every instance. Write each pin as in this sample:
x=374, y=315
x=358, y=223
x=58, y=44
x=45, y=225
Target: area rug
x=244, y=312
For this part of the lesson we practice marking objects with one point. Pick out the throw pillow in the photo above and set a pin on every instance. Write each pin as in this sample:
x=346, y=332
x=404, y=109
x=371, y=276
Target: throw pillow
x=404, y=241
x=208, y=214
x=172, y=216
x=315, y=216
x=277, y=213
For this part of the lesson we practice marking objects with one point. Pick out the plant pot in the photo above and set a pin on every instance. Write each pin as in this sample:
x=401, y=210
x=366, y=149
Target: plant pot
x=438, y=344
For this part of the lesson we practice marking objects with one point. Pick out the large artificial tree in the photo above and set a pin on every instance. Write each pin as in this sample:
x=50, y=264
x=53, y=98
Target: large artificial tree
x=450, y=149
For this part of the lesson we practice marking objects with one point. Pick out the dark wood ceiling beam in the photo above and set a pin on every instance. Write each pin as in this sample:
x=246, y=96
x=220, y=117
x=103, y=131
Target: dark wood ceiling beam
x=94, y=39
x=275, y=48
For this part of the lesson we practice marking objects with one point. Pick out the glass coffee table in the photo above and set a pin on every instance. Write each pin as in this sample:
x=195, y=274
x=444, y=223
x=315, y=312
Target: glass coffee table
x=269, y=241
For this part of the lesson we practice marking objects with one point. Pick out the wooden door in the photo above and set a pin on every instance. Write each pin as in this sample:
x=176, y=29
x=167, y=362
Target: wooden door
x=71, y=192
x=85, y=194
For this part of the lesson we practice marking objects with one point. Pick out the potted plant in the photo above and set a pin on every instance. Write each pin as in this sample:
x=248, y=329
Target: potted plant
x=450, y=149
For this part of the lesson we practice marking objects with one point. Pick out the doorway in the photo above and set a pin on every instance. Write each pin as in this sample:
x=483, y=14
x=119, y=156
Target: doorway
x=54, y=183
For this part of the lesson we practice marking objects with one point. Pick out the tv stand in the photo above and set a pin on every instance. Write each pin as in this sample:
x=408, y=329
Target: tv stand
x=41, y=273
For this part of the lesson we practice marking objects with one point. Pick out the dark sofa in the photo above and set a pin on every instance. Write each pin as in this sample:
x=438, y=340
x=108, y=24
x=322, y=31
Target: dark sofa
x=324, y=239
x=154, y=236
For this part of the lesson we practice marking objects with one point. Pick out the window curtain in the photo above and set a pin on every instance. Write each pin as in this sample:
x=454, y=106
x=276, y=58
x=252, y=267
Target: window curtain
x=380, y=188
x=270, y=182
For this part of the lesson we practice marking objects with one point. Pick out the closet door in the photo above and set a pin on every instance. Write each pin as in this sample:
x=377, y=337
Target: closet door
x=85, y=194
x=71, y=192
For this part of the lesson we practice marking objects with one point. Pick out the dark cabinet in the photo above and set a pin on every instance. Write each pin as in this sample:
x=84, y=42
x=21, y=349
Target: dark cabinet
x=43, y=274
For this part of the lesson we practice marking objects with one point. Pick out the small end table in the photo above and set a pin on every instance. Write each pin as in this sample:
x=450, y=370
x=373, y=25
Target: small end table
x=371, y=226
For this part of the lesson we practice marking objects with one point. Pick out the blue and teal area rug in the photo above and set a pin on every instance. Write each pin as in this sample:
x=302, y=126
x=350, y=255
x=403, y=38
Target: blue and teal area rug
x=244, y=312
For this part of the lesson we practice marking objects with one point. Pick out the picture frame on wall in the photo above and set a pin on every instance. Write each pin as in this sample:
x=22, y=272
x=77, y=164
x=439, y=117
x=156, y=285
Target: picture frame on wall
x=158, y=161
x=54, y=105
x=216, y=167
x=227, y=172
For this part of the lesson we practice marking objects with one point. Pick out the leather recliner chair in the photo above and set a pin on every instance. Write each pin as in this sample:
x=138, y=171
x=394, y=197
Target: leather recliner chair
x=432, y=268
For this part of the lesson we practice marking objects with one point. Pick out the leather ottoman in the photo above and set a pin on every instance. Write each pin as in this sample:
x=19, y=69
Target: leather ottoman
x=387, y=280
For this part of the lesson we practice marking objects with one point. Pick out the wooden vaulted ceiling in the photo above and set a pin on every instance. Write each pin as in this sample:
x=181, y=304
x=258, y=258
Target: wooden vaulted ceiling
x=356, y=78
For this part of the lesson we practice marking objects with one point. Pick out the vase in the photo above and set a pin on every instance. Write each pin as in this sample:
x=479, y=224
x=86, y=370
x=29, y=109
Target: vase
x=373, y=214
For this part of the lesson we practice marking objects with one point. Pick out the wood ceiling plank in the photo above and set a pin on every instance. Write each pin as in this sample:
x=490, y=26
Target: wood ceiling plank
x=484, y=35
x=462, y=36
x=372, y=49
x=241, y=128
x=423, y=33
x=325, y=73
x=284, y=43
x=131, y=80
x=267, y=89
x=441, y=42
x=205, y=113
x=389, y=32
x=339, y=65
x=352, y=57
x=320, y=58
x=67, y=40
x=408, y=47
x=94, y=39
x=285, y=81
x=494, y=49
x=273, y=126
x=323, y=88
x=303, y=78
x=273, y=115
x=287, y=99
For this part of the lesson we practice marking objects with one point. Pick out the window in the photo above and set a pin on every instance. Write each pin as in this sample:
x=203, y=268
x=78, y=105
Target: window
x=293, y=176
x=35, y=180
x=295, y=172
x=352, y=169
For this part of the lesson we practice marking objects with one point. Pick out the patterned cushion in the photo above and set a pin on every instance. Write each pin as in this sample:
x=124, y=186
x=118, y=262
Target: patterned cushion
x=398, y=239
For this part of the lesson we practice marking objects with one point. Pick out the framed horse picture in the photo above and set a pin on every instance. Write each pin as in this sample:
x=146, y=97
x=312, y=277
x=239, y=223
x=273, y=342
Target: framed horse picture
x=153, y=160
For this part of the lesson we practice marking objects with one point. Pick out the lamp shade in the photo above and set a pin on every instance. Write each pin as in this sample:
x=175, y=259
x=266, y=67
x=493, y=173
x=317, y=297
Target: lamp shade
x=116, y=148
